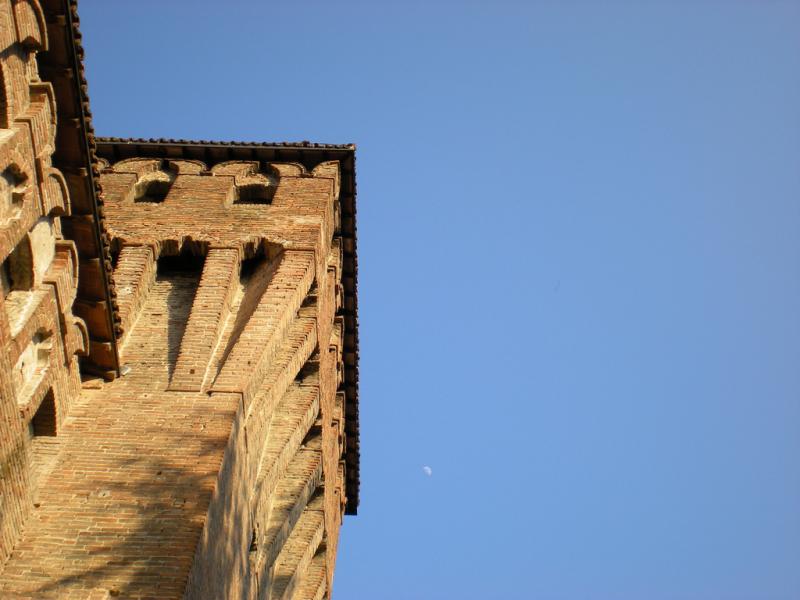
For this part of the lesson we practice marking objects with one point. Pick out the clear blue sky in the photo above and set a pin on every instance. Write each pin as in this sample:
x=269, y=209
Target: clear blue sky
x=579, y=265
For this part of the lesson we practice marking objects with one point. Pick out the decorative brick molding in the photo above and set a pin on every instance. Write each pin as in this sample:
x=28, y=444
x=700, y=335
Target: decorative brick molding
x=179, y=365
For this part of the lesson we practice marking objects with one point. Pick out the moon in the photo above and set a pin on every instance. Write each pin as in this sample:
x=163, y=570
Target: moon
x=427, y=470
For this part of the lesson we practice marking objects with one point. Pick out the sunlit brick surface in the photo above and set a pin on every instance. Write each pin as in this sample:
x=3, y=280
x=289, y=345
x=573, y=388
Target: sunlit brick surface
x=124, y=502
x=178, y=356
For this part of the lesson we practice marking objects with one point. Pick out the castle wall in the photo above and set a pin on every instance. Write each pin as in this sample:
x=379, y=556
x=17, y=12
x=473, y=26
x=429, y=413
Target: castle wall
x=40, y=338
x=212, y=467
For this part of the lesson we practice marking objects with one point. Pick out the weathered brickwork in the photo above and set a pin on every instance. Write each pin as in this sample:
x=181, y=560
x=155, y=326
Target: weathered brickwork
x=40, y=337
x=178, y=352
x=210, y=309
x=134, y=276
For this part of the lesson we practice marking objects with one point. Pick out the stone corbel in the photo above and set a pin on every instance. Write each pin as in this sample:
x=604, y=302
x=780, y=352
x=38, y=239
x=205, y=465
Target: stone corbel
x=79, y=338
x=188, y=167
x=137, y=166
x=55, y=194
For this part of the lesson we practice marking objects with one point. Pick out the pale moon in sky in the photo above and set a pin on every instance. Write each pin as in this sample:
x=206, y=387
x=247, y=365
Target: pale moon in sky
x=427, y=470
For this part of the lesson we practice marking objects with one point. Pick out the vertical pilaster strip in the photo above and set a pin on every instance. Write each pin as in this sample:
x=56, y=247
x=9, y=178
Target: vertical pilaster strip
x=246, y=365
x=298, y=552
x=313, y=584
x=331, y=374
x=14, y=477
x=134, y=276
x=210, y=308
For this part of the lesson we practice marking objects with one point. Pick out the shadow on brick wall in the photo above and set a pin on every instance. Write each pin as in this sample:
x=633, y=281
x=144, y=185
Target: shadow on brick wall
x=130, y=494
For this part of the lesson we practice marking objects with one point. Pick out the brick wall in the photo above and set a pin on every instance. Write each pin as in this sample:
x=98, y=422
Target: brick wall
x=212, y=468
x=39, y=335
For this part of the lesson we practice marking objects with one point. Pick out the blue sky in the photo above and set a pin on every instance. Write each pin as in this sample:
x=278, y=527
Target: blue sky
x=579, y=264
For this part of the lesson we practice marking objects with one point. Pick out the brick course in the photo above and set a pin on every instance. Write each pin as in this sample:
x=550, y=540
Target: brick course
x=40, y=337
x=211, y=465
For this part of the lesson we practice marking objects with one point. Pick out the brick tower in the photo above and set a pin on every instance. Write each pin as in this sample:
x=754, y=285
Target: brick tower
x=178, y=337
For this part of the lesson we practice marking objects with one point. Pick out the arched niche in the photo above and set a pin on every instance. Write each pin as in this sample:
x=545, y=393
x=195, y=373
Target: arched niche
x=13, y=190
x=16, y=272
x=254, y=190
x=154, y=186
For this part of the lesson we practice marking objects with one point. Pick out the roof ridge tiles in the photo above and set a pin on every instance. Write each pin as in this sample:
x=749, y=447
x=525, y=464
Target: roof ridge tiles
x=187, y=142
